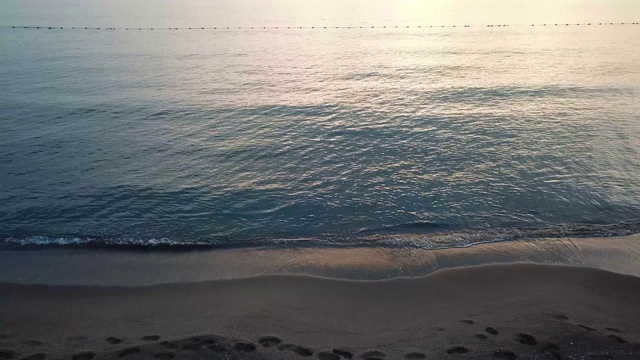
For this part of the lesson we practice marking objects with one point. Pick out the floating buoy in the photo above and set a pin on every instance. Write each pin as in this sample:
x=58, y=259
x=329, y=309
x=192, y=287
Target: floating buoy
x=320, y=27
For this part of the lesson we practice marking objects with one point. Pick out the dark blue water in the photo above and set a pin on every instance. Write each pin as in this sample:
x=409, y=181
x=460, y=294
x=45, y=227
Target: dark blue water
x=339, y=136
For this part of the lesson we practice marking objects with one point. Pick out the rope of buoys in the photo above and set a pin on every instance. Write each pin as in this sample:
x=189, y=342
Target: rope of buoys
x=309, y=27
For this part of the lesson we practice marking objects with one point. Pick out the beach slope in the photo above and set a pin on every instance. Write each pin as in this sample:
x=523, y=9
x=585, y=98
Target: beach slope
x=511, y=311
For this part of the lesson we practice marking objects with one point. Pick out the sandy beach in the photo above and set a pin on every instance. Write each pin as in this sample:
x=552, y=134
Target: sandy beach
x=517, y=311
x=319, y=179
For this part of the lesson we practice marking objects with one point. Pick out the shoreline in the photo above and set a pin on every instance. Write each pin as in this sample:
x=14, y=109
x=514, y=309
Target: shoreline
x=113, y=267
x=536, y=312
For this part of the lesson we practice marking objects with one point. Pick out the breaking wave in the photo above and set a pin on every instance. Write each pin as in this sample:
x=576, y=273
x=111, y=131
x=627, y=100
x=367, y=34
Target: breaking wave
x=410, y=235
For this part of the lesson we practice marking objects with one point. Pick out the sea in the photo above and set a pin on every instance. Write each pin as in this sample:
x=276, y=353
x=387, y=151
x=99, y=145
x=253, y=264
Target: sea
x=178, y=124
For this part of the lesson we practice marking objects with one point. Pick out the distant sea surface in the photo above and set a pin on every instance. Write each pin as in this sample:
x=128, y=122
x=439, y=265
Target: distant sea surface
x=421, y=136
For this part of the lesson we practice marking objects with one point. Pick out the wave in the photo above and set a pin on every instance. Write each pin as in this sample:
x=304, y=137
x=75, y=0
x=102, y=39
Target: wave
x=418, y=225
x=423, y=235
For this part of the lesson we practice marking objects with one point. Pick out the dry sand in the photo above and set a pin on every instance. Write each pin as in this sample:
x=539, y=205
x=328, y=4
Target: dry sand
x=513, y=311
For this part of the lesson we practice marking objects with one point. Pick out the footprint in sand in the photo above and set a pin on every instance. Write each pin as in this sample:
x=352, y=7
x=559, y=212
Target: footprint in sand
x=373, y=354
x=189, y=347
x=286, y=347
x=491, y=331
x=560, y=317
x=468, y=322
x=38, y=356
x=208, y=341
x=343, y=353
x=6, y=354
x=269, y=341
x=113, y=340
x=164, y=356
x=150, y=338
x=614, y=330
x=585, y=327
x=617, y=339
x=128, y=352
x=504, y=354
x=458, y=350
x=302, y=351
x=326, y=355
x=551, y=350
x=415, y=356
x=217, y=348
x=198, y=342
x=480, y=336
x=526, y=339
x=86, y=355
x=244, y=346
x=169, y=345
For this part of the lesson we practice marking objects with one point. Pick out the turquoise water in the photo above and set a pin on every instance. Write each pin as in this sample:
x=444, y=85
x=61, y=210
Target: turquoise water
x=348, y=136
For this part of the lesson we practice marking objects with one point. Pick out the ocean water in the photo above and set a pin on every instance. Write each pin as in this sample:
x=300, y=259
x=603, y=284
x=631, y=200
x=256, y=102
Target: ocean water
x=385, y=131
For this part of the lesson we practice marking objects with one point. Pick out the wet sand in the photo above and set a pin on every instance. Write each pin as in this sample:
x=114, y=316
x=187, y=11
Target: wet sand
x=517, y=311
x=60, y=266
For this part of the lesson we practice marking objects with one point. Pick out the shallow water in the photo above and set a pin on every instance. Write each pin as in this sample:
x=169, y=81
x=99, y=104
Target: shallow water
x=60, y=265
x=318, y=136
